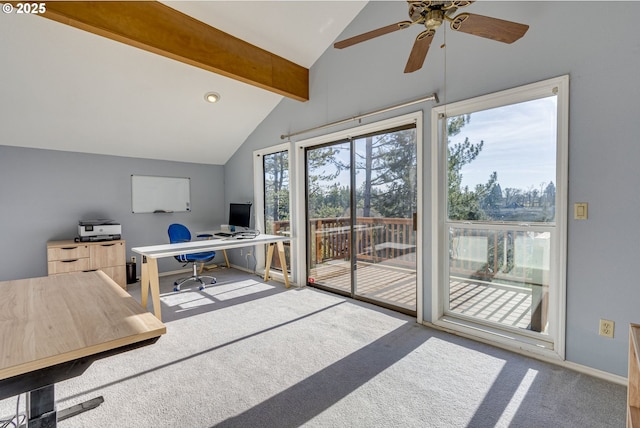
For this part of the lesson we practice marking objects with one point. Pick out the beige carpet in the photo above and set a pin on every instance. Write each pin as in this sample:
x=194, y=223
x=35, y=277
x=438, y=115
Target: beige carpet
x=248, y=354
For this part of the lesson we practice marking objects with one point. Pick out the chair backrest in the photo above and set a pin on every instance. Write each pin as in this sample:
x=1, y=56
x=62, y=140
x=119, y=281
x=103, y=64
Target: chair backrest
x=179, y=233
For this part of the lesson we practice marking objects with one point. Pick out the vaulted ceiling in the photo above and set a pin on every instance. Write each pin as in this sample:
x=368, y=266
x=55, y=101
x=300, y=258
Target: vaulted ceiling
x=65, y=88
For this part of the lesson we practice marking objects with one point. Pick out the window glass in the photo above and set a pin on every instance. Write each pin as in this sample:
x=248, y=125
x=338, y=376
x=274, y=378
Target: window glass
x=502, y=163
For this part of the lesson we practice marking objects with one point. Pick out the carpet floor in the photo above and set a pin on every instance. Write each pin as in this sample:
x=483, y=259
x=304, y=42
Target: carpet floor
x=245, y=353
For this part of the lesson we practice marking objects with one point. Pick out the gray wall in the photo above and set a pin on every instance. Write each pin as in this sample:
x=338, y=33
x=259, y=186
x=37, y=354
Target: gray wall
x=603, y=61
x=45, y=193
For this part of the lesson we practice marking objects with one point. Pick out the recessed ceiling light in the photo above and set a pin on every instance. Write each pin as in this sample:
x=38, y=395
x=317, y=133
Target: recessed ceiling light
x=212, y=97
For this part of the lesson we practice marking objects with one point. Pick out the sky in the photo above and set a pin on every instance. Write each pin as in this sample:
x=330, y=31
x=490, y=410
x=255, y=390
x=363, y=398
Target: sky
x=519, y=144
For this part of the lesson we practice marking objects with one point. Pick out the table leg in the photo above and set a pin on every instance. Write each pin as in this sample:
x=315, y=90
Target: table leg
x=283, y=262
x=42, y=408
x=149, y=279
x=226, y=259
x=267, y=266
x=144, y=281
x=42, y=413
x=154, y=284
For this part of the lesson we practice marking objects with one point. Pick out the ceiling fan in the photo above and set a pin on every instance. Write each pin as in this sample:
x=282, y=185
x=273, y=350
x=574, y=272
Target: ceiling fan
x=432, y=14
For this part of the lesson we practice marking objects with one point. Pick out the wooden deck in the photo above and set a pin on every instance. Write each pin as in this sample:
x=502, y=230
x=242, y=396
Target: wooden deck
x=502, y=304
x=386, y=284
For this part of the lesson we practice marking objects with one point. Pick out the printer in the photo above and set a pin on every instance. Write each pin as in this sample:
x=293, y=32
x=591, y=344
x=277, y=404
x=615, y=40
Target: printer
x=98, y=230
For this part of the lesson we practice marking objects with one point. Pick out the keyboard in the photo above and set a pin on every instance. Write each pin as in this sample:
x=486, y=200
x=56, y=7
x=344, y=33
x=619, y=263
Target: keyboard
x=243, y=234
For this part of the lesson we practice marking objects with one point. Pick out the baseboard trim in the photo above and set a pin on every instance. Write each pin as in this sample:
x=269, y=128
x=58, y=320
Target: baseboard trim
x=600, y=374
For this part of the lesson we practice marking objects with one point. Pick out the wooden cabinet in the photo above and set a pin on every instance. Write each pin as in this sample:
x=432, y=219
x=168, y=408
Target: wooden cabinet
x=633, y=388
x=70, y=256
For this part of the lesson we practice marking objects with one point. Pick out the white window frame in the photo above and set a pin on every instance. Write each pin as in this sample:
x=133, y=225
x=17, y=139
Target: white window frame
x=258, y=198
x=558, y=86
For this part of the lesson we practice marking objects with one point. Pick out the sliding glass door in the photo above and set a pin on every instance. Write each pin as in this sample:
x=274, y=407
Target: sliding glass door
x=361, y=205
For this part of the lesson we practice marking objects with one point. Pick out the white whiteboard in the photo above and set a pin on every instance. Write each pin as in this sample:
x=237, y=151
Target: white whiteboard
x=150, y=194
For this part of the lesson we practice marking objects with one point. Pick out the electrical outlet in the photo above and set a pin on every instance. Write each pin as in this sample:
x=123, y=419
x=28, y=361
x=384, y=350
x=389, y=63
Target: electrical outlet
x=248, y=253
x=240, y=252
x=606, y=328
x=133, y=259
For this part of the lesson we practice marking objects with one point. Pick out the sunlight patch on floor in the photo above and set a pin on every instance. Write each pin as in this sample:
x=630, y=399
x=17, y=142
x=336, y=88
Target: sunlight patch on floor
x=237, y=289
x=518, y=397
x=186, y=299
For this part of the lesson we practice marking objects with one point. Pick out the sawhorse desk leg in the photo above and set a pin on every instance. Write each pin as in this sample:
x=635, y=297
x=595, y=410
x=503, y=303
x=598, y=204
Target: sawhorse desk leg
x=149, y=273
x=283, y=262
x=226, y=263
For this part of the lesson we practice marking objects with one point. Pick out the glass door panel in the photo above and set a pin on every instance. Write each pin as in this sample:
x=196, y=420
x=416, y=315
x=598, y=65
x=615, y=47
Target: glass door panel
x=328, y=182
x=275, y=167
x=384, y=232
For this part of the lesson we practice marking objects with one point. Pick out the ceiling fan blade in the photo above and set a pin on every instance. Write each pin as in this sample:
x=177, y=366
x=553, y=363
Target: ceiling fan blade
x=419, y=51
x=371, y=34
x=490, y=28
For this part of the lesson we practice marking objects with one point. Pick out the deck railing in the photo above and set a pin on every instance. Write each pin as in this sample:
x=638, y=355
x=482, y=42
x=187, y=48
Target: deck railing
x=508, y=252
x=491, y=256
x=376, y=239
x=510, y=255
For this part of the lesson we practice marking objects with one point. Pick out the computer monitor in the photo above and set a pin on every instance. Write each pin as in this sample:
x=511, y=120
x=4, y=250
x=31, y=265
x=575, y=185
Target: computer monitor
x=240, y=215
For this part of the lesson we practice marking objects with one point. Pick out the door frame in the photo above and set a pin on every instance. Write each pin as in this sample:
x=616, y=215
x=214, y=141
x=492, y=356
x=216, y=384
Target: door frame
x=300, y=188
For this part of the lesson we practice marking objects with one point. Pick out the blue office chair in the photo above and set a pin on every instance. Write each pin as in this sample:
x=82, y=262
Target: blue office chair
x=180, y=233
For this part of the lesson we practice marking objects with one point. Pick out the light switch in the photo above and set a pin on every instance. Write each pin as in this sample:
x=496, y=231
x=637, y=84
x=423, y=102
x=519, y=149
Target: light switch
x=580, y=211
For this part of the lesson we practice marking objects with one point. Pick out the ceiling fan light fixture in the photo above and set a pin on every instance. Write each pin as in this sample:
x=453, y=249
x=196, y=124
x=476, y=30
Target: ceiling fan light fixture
x=212, y=97
x=434, y=19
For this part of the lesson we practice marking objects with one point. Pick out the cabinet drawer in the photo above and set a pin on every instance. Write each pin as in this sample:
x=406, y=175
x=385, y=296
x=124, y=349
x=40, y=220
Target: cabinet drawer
x=64, y=266
x=107, y=254
x=69, y=252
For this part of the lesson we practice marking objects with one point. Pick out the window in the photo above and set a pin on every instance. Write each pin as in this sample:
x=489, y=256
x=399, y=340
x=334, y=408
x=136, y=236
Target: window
x=501, y=217
x=272, y=196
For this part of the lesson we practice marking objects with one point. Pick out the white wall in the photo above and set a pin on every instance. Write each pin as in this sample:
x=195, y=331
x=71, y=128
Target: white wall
x=44, y=193
x=599, y=49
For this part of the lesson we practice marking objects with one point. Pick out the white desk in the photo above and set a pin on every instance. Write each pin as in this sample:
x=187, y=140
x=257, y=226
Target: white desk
x=150, y=255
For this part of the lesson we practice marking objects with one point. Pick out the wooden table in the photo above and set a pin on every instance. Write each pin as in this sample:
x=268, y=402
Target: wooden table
x=52, y=328
x=149, y=270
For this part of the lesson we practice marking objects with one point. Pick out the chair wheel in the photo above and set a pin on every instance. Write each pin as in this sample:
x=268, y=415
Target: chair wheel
x=176, y=289
x=213, y=281
x=201, y=288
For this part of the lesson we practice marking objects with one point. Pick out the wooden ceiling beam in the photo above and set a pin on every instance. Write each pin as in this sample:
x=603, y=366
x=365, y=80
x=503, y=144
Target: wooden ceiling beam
x=157, y=28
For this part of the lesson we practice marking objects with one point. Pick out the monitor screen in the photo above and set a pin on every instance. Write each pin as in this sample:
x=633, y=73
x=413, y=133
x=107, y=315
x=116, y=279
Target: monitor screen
x=240, y=215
